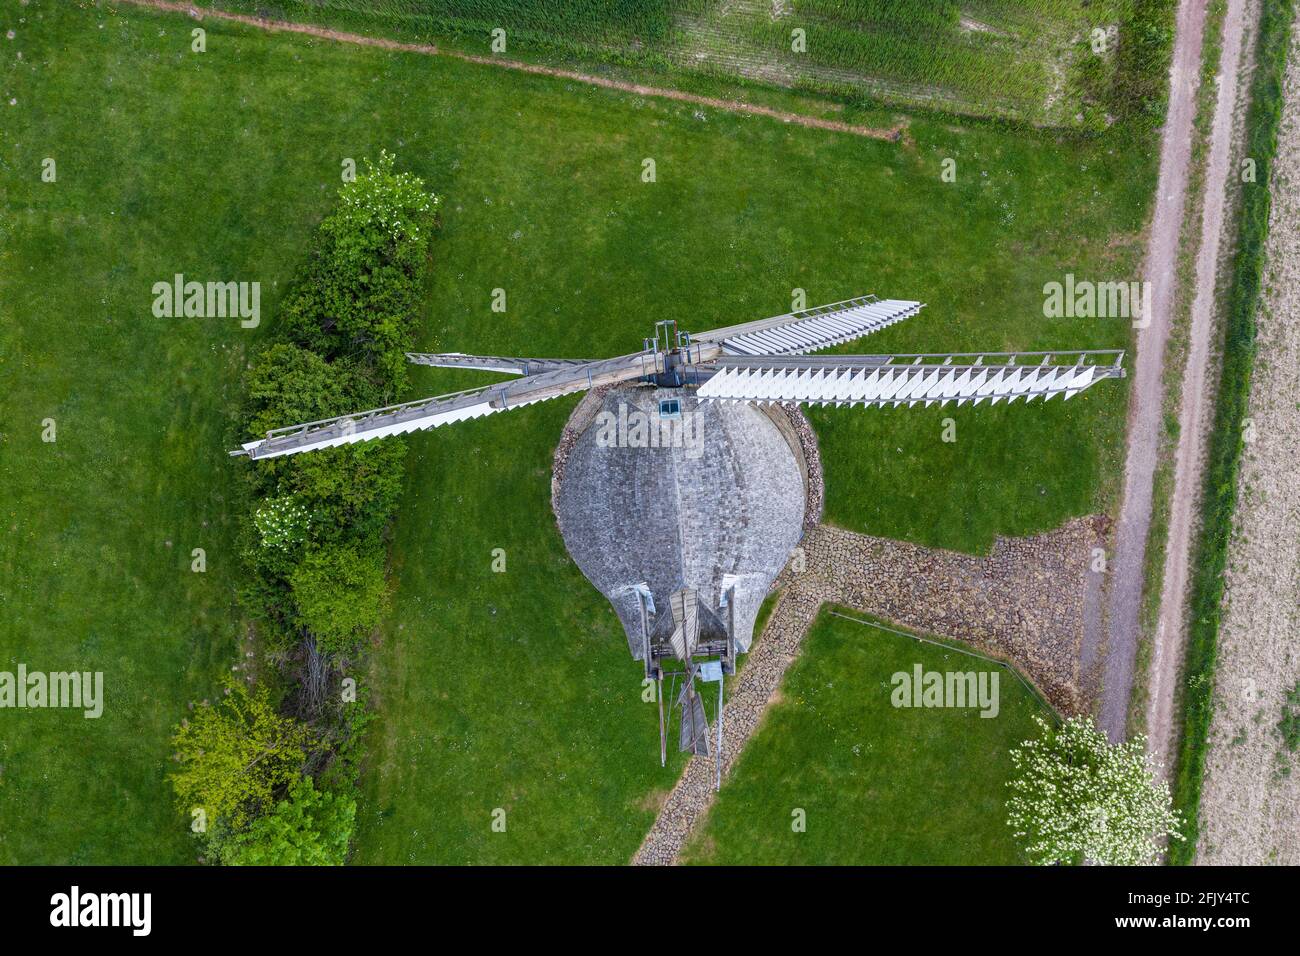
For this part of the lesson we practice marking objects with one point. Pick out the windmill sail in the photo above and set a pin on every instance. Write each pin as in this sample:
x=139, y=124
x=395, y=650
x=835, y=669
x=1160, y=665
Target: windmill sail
x=444, y=409
x=895, y=380
x=812, y=329
x=757, y=362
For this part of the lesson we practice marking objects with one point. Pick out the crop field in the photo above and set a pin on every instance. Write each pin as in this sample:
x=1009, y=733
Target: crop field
x=876, y=784
x=1004, y=58
x=1008, y=58
x=599, y=19
x=512, y=690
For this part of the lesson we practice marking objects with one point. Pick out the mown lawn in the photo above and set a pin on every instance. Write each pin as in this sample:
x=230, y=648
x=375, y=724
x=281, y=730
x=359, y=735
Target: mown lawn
x=878, y=785
x=509, y=690
x=99, y=525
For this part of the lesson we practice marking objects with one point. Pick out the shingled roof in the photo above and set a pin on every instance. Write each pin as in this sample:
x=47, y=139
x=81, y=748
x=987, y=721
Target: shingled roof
x=725, y=498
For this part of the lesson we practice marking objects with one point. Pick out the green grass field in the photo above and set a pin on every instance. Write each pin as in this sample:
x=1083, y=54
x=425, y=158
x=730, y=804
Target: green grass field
x=493, y=690
x=878, y=785
x=606, y=21
x=99, y=525
x=505, y=690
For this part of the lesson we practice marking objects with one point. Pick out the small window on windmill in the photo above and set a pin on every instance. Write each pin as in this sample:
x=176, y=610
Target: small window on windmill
x=670, y=408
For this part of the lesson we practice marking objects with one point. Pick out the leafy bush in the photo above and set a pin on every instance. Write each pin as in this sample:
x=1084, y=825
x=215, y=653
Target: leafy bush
x=342, y=334
x=340, y=595
x=1076, y=798
x=309, y=827
x=283, y=522
x=360, y=292
x=353, y=490
x=287, y=384
x=236, y=755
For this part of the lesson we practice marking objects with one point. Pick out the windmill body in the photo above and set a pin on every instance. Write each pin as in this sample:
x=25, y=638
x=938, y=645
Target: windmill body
x=720, y=511
x=685, y=540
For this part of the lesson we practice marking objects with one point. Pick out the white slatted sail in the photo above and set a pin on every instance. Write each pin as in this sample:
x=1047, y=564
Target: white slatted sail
x=897, y=380
x=812, y=329
x=377, y=423
x=444, y=409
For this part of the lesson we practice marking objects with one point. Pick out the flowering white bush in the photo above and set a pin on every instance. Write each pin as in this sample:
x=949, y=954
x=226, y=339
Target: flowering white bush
x=1077, y=798
x=395, y=202
x=283, y=522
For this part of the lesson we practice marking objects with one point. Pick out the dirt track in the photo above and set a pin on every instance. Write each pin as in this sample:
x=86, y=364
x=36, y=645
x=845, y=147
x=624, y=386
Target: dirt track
x=428, y=49
x=1124, y=596
x=1197, y=400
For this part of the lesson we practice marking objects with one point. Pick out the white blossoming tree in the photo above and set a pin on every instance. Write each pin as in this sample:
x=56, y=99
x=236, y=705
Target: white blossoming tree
x=1076, y=798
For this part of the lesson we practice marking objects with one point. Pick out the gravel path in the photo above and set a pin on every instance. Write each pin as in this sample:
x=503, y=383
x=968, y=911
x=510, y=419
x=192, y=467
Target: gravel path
x=428, y=49
x=1025, y=602
x=1197, y=398
x=1124, y=594
x=1250, y=807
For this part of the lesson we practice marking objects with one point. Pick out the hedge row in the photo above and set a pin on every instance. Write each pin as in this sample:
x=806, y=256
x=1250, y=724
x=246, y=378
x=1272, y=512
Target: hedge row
x=313, y=539
x=1220, y=495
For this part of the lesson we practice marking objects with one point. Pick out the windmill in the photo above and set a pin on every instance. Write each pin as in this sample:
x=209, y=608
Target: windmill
x=758, y=363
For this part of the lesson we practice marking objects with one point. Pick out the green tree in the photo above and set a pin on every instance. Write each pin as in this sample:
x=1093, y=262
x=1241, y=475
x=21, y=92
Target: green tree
x=310, y=827
x=352, y=491
x=1076, y=798
x=362, y=288
x=286, y=385
x=349, y=491
x=340, y=593
x=235, y=755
